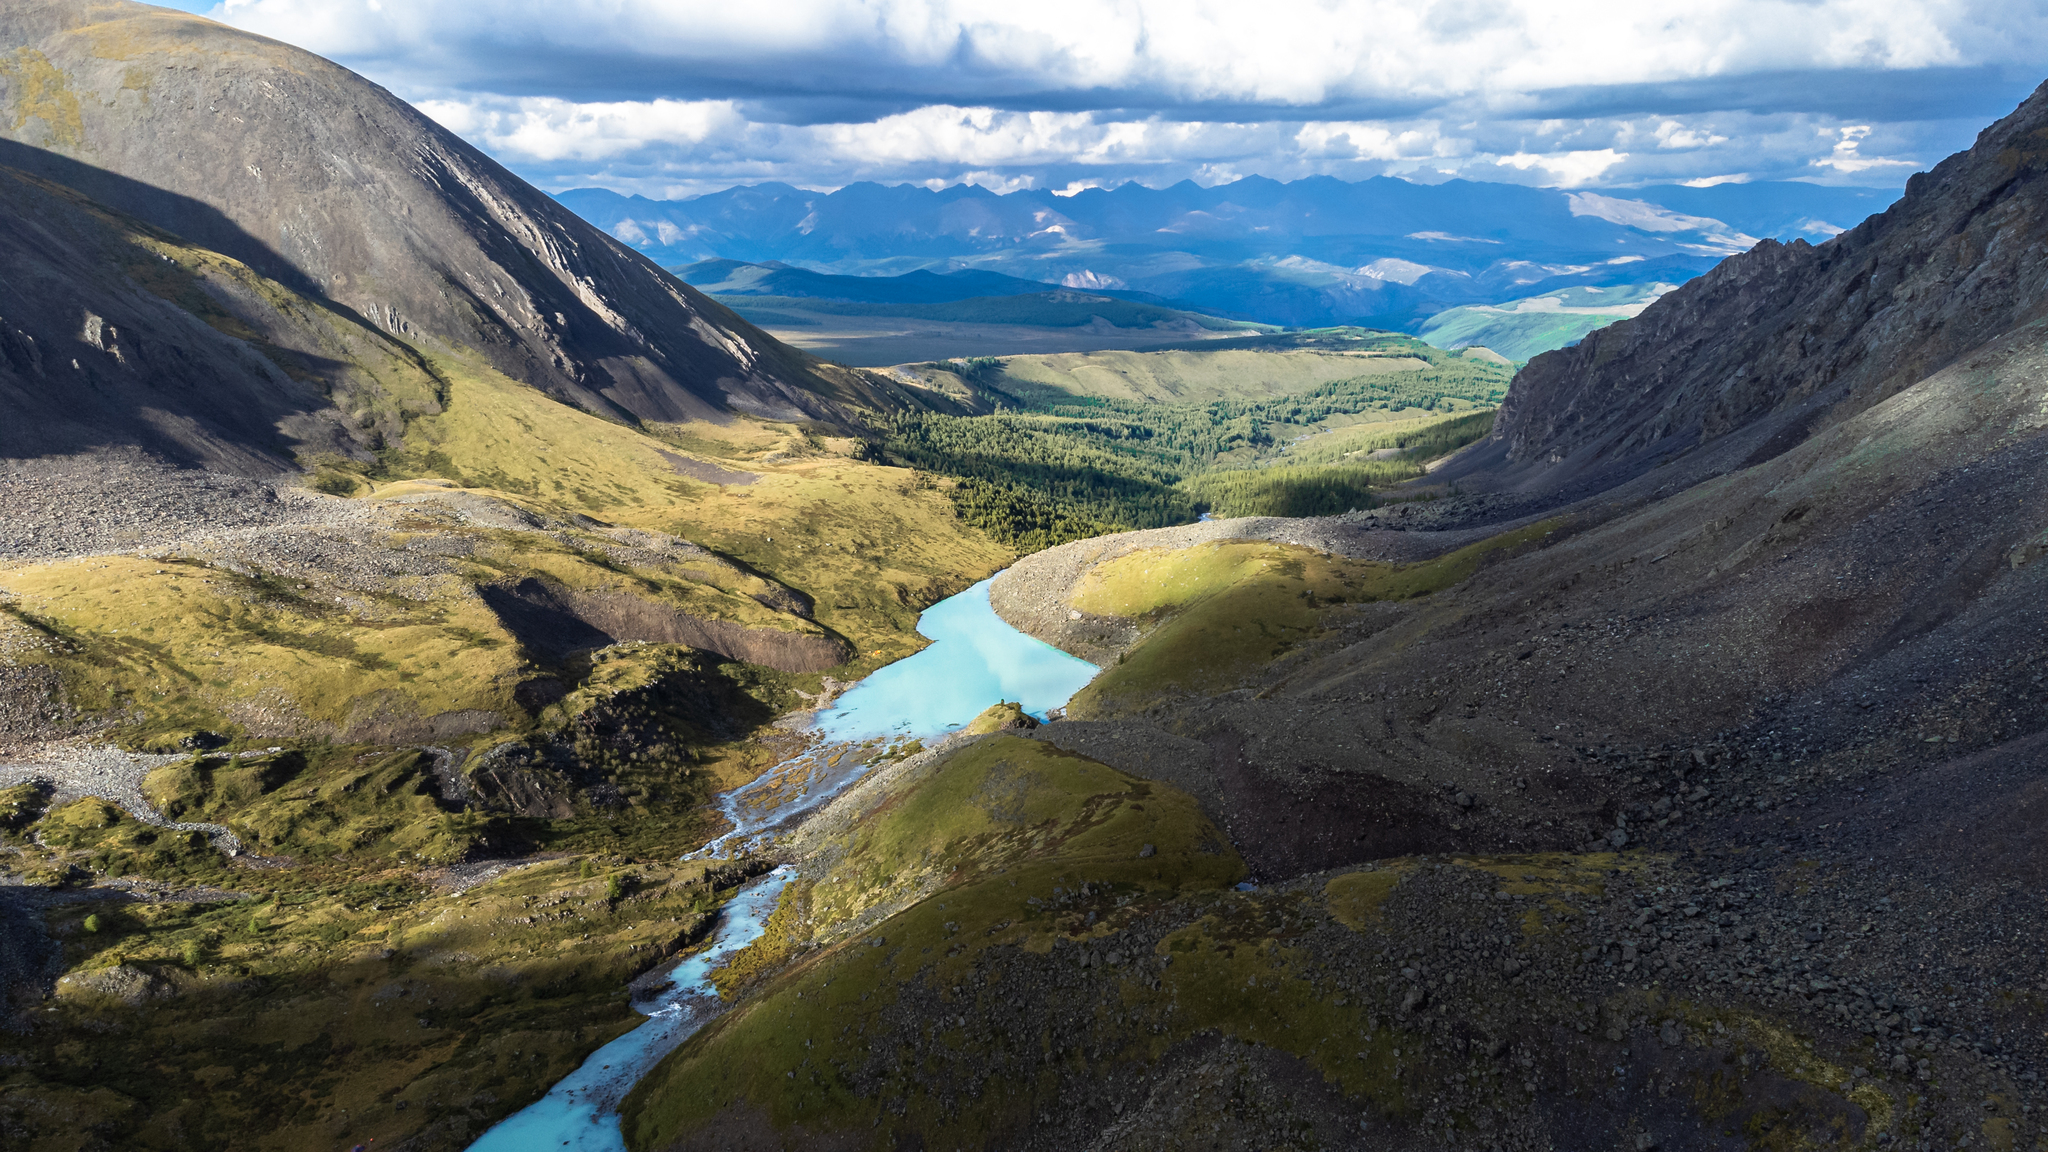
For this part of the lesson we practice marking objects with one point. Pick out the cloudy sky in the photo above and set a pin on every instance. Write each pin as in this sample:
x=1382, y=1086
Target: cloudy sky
x=673, y=98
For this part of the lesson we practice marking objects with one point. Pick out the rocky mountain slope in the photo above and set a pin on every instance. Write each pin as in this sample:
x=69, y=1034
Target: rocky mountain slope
x=1799, y=337
x=325, y=183
x=120, y=334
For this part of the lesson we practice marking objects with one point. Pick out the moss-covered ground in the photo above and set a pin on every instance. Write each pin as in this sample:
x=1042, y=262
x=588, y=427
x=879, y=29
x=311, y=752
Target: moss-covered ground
x=1005, y=833
x=871, y=545
x=327, y=1003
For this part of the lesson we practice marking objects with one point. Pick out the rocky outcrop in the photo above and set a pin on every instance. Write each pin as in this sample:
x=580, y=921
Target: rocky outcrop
x=123, y=984
x=554, y=621
x=1796, y=336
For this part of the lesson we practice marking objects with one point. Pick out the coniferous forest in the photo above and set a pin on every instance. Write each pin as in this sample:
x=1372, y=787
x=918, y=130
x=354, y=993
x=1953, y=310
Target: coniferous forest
x=1047, y=466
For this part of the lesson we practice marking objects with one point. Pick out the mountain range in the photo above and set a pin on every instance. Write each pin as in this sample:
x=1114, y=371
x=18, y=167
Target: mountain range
x=1318, y=251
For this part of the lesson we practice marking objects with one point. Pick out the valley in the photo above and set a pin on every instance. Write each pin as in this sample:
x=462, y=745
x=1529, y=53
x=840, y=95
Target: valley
x=464, y=686
x=881, y=341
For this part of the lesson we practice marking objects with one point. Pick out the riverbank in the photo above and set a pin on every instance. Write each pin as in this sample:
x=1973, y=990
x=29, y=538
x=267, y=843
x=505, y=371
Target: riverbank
x=878, y=733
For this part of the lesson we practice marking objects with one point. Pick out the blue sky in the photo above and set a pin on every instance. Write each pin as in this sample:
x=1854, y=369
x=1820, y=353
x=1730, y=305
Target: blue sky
x=677, y=97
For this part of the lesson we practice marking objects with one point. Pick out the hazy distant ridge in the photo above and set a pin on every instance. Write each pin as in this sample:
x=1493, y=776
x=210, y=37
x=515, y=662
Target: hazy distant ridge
x=1314, y=251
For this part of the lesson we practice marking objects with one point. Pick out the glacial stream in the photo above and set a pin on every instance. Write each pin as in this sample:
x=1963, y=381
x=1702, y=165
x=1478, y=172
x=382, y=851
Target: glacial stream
x=974, y=660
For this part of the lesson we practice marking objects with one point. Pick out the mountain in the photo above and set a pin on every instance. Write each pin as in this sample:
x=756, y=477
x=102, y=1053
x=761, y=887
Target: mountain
x=328, y=185
x=1316, y=251
x=1665, y=771
x=1788, y=340
x=739, y=278
x=117, y=333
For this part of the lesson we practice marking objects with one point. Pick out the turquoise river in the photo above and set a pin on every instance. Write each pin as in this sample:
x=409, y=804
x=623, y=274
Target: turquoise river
x=973, y=661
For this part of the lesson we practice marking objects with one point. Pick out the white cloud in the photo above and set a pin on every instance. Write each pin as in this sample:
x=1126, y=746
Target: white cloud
x=1287, y=51
x=676, y=96
x=1672, y=134
x=546, y=128
x=1846, y=157
x=1568, y=169
x=1718, y=239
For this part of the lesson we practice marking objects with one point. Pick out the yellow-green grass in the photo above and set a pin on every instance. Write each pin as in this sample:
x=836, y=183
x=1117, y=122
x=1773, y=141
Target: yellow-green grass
x=1234, y=967
x=995, y=717
x=990, y=832
x=943, y=1024
x=109, y=841
x=181, y=644
x=288, y=804
x=872, y=545
x=1336, y=472
x=20, y=805
x=178, y=644
x=1432, y=433
x=1221, y=611
x=342, y=1007
x=1192, y=376
x=1007, y=801
x=1228, y=976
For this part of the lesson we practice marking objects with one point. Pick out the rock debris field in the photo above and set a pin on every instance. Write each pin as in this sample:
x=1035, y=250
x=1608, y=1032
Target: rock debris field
x=76, y=770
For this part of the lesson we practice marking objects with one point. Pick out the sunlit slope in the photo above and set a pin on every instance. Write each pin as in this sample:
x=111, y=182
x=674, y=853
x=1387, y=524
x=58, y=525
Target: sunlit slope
x=871, y=545
x=1258, y=367
x=1005, y=844
x=1521, y=329
x=807, y=542
x=1216, y=614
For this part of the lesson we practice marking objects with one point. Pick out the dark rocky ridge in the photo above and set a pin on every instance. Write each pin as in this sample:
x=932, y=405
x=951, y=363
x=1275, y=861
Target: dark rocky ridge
x=554, y=622
x=331, y=186
x=1793, y=337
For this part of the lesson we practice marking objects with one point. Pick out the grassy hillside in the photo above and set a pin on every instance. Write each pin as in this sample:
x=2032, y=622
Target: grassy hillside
x=1521, y=329
x=1057, y=309
x=325, y=1005
x=1187, y=376
x=1337, y=471
x=1215, y=612
x=1057, y=949
x=1011, y=843
x=1061, y=466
